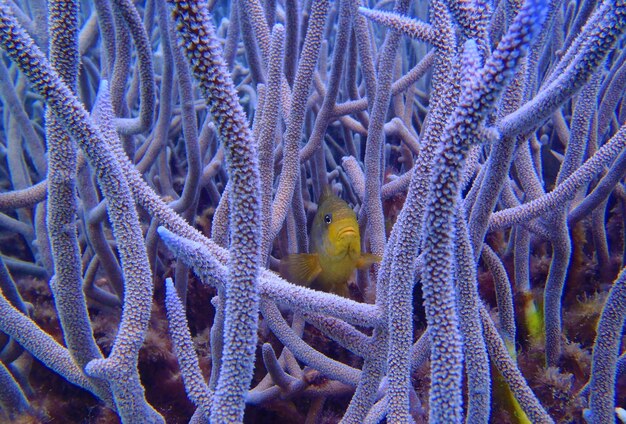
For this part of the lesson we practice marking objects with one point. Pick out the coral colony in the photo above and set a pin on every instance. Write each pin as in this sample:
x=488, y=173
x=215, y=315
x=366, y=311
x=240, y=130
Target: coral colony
x=162, y=161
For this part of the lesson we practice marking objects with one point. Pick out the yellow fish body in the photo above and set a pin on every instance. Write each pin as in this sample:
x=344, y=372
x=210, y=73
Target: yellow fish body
x=335, y=244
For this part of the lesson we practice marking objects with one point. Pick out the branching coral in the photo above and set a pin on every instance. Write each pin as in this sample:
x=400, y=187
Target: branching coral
x=459, y=154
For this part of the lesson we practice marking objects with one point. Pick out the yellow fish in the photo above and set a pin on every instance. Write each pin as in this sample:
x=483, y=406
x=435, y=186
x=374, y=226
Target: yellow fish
x=335, y=245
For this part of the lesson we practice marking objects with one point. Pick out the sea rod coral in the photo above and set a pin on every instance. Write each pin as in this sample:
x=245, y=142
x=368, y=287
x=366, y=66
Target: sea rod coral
x=162, y=160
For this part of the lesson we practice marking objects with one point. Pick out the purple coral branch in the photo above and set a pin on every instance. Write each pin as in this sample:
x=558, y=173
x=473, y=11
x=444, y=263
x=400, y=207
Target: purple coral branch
x=121, y=364
x=197, y=35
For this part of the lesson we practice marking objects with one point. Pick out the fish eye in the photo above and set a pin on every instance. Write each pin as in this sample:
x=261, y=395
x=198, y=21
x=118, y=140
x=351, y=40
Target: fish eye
x=328, y=218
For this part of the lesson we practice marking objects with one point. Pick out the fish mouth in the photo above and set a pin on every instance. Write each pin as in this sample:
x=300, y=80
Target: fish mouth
x=346, y=232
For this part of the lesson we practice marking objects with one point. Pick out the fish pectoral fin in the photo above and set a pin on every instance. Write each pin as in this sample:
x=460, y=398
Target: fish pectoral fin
x=367, y=259
x=301, y=268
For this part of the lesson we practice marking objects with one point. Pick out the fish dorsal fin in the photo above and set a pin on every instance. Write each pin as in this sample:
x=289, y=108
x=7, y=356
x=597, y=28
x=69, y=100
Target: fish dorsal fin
x=301, y=268
x=327, y=193
x=367, y=259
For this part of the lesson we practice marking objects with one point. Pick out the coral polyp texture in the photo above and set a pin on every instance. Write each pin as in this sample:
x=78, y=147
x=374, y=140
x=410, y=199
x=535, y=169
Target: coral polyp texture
x=162, y=161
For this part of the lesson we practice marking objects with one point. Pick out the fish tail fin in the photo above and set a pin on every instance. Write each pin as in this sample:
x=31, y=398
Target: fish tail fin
x=301, y=268
x=367, y=259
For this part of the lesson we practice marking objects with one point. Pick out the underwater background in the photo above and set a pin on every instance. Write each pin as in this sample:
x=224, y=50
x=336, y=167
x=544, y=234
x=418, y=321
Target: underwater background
x=167, y=255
